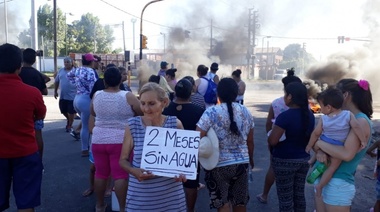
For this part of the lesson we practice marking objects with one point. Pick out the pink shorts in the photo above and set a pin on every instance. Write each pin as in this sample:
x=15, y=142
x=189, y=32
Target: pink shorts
x=106, y=160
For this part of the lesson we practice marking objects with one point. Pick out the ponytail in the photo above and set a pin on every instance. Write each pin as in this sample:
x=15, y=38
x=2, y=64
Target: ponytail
x=227, y=92
x=233, y=126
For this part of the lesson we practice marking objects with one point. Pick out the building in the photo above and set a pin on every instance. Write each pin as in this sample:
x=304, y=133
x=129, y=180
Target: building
x=267, y=61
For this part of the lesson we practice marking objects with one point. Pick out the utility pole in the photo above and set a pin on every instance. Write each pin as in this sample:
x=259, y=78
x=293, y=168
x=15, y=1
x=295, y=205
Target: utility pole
x=211, y=37
x=266, y=69
x=94, y=38
x=249, y=51
x=164, y=41
x=55, y=34
x=133, y=20
x=124, y=48
x=34, y=34
x=252, y=26
x=6, y=21
x=303, y=58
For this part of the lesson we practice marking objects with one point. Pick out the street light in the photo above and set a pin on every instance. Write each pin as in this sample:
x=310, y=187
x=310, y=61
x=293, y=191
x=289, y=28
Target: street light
x=66, y=31
x=141, y=20
x=164, y=41
x=133, y=20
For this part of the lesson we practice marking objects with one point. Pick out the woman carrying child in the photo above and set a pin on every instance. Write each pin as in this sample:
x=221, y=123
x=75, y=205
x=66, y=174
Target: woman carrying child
x=333, y=128
x=339, y=192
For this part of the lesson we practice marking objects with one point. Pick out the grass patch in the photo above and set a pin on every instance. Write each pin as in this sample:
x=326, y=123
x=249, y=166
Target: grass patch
x=49, y=74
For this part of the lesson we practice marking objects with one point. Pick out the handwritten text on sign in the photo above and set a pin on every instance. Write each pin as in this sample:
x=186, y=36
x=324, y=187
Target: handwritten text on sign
x=170, y=152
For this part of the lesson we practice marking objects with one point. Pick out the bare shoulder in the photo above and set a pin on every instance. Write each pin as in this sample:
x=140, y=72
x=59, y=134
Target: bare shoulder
x=179, y=124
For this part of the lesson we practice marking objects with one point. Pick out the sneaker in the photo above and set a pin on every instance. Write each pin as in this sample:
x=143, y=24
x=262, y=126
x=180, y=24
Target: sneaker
x=75, y=135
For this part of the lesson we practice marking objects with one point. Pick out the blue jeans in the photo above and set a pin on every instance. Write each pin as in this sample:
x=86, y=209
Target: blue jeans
x=82, y=106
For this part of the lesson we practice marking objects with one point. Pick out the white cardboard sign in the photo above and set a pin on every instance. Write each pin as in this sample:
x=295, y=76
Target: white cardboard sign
x=170, y=152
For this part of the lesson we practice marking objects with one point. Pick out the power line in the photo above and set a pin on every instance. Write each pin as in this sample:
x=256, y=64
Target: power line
x=7, y=1
x=306, y=38
x=111, y=5
x=135, y=16
x=228, y=30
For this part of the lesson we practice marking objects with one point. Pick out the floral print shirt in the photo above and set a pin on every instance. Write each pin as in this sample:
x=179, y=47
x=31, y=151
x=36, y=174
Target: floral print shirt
x=278, y=106
x=233, y=149
x=83, y=78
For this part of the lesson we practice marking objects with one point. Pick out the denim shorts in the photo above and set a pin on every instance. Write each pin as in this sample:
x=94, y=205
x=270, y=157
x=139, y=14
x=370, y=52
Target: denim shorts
x=338, y=192
x=39, y=124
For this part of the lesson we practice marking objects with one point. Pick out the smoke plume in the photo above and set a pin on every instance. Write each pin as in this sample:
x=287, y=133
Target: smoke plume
x=18, y=16
x=361, y=63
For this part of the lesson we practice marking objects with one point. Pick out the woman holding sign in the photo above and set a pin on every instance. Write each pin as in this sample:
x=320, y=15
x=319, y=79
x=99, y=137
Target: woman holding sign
x=147, y=192
x=233, y=123
x=189, y=114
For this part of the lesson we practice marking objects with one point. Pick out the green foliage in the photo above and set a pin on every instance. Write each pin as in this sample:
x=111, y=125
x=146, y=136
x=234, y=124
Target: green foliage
x=295, y=56
x=85, y=35
x=89, y=35
x=117, y=51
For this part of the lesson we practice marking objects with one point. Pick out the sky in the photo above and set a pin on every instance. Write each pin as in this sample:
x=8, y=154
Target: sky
x=315, y=23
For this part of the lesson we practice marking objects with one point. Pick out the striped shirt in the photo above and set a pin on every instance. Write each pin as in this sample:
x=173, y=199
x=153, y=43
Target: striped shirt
x=158, y=193
x=198, y=99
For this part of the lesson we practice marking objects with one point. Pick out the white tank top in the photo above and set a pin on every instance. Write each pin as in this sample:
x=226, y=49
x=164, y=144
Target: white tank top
x=202, y=87
x=112, y=113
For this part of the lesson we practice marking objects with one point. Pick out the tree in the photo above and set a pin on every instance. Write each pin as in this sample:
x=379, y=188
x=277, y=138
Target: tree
x=45, y=22
x=295, y=56
x=88, y=35
x=85, y=35
x=45, y=28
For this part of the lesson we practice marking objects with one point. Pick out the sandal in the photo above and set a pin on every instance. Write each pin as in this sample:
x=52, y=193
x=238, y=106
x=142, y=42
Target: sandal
x=101, y=209
x=87, y=192
x=107, y=193
x=261, y=199
x=85, y=153
x=200, y=186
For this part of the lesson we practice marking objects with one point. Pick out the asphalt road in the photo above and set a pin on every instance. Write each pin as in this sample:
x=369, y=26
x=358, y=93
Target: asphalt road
x=66, y=172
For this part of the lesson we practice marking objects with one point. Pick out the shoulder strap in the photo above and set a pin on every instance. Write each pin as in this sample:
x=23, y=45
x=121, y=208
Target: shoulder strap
x=205, y=78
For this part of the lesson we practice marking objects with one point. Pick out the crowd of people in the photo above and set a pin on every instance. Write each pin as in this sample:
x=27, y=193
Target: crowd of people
x=114, y=122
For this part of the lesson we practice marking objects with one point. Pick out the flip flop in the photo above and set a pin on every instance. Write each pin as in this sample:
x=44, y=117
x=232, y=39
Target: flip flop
x=87, y=192
x=261, y=199
x=201, y=186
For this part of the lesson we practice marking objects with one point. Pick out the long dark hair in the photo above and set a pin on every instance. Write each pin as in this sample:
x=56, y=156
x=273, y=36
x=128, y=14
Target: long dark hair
x=361, y=98
x=227, y=92
x=299, y=98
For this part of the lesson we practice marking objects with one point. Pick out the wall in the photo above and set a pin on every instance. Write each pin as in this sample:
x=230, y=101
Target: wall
x=47, y=64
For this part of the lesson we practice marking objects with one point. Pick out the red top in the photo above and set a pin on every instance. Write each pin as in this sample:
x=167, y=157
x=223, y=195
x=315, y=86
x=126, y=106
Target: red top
x=20, y=105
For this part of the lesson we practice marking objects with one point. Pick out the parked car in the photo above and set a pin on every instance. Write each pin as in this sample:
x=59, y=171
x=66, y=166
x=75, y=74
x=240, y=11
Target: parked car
x=279, y=74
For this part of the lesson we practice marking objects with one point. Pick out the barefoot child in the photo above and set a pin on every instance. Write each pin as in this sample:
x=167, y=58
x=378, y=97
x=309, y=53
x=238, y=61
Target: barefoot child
x=333, y=127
